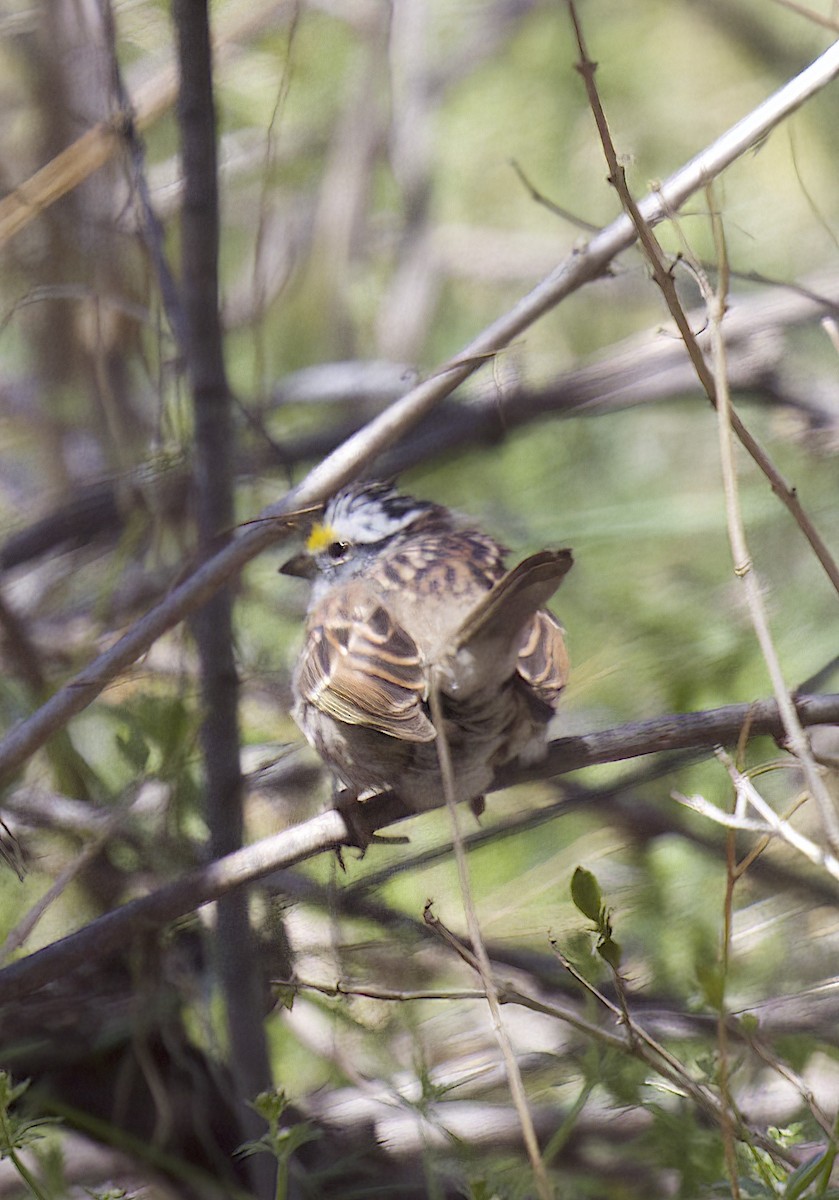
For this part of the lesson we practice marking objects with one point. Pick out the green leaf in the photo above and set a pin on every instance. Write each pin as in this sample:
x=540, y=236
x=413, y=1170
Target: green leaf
x=133, y=748
x=291, y=1139
x=10, y=1092
x=802, y=1177
x=711, y=981
x=271, y=1106
x=479, y=1189
x=586, y=894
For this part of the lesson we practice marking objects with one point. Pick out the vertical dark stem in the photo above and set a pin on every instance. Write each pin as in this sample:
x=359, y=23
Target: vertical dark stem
x=213, y=625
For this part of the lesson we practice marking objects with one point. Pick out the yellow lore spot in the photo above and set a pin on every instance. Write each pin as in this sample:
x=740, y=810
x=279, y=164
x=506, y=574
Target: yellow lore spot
x=320, y=537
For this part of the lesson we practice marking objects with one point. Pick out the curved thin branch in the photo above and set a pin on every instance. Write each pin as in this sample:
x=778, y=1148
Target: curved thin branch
x=664, y=279
x=715, y=384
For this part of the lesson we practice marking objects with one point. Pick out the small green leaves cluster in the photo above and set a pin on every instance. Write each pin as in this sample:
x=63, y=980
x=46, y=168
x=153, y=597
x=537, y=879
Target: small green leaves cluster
x=280, y=1139
x=20, y=1132
x=588, y=899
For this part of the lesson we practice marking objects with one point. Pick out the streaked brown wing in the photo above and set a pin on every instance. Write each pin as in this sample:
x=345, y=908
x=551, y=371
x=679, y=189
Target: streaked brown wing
x=366, y=671
x=485, y=650
x=543, y=657
x=511, y=601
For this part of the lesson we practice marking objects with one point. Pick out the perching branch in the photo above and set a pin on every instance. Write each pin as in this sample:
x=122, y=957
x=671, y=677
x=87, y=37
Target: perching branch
x=291, y=846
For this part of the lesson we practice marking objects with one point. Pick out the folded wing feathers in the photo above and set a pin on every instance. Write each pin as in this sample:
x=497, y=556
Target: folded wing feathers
x=368, y=674
x=368, y=671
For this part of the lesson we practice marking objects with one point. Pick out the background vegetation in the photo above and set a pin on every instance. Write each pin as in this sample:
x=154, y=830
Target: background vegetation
x=393, y=177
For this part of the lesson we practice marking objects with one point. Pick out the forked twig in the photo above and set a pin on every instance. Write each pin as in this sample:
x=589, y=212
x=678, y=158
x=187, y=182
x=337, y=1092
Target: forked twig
x=647, y=1049
x=664, y=279
x=715, y=386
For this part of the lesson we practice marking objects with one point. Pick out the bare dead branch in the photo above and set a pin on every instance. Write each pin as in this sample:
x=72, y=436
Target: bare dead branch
x=715, y=386
x=664, y=278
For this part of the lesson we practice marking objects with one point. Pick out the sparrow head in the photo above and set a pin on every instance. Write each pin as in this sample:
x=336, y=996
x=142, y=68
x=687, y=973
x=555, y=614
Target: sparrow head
x=360, y=521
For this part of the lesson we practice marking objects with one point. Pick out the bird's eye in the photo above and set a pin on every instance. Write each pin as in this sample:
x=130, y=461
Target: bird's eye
x=337, y=550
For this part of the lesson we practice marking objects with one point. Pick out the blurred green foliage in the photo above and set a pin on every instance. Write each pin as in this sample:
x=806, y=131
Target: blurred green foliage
x=371, y=210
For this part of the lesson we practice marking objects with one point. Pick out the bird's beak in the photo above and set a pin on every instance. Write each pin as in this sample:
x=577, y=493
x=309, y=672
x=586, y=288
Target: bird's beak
x=302, y=566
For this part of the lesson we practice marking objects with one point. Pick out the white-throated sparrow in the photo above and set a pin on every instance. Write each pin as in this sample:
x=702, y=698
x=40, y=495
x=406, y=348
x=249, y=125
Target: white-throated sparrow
x=407, y=597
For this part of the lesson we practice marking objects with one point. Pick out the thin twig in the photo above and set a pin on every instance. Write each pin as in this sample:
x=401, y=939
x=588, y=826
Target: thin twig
x=743, y=566
x=482, y=962
x=540, y=198
x=186, y=894
x=664, y=279
x=809, y=14
x=124, y=118
x=76, y=866
x=749, y=859
x=88, y=153
x=643, y=1047
x=705, y=808
x=724, y=1070
x=749, y=792
x=831, y=328
x=643, y=369
x=715, y=386
x=376, y=993
x=770, y=826
x=647, y=1049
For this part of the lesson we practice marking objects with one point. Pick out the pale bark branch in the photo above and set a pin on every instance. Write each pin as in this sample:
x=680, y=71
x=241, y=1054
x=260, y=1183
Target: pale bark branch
x=646, y=368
